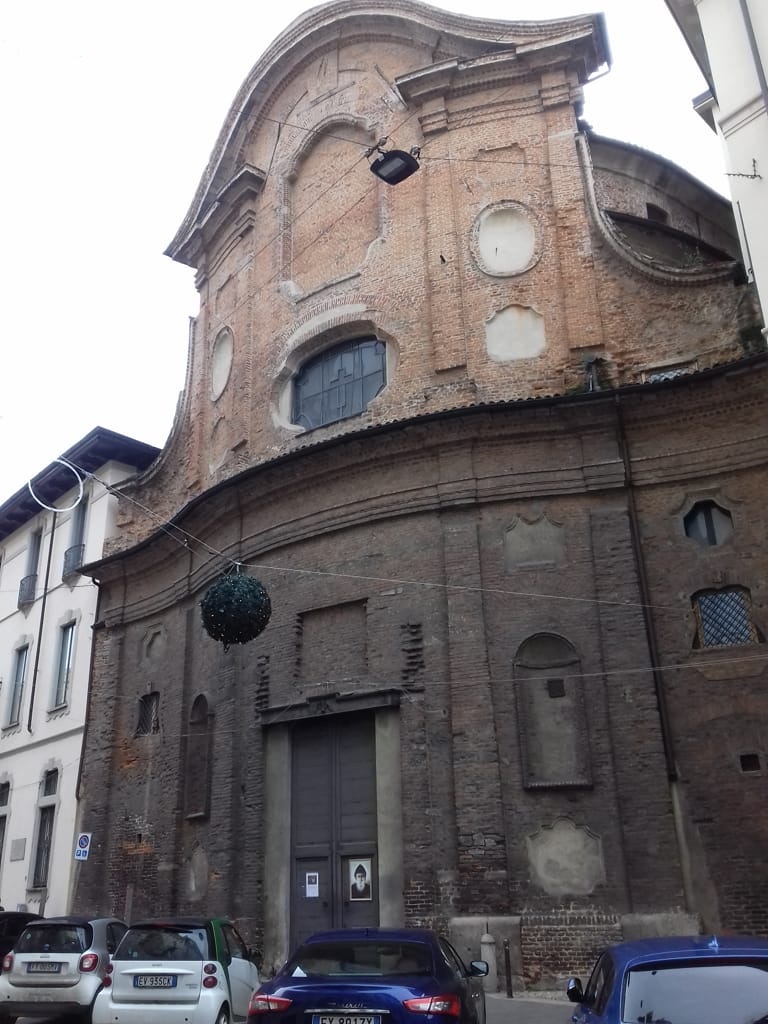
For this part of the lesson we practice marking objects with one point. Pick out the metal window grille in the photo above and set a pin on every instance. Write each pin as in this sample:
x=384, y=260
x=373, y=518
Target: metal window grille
x=73, y=559
x=27, y=589
x=43, y=850
x=724, y=618
x=668, y=372
x=149, y=715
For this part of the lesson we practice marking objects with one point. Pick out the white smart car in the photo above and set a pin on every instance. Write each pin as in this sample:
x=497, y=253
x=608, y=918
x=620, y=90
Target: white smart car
x=57, y=966
x=178, y=971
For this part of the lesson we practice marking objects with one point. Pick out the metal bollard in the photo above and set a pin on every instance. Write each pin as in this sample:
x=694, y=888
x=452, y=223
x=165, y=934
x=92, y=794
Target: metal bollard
x=508, y=969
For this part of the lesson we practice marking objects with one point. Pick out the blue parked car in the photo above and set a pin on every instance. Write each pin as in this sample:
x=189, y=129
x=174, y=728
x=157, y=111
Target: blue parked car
x=677, y=980
x=373, y=976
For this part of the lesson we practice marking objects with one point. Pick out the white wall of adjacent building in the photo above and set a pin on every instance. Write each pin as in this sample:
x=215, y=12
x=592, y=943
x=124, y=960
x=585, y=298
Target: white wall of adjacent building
x=729, y=38
x=45, y=655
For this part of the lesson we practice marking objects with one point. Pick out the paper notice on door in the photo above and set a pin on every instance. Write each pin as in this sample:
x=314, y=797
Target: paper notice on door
x=312, y=885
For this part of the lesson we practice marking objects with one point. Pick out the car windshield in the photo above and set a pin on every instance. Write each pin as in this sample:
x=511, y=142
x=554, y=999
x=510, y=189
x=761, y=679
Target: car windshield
x=164, y=942
x=697, y=992
x=54, y=938
x=380, y=959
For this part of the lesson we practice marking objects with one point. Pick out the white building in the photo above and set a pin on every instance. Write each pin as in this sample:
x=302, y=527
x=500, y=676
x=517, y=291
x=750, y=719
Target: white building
x=729, y=39
x=47, y=611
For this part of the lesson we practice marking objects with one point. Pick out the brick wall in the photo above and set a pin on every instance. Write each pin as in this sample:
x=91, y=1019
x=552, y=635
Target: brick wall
x=402, y=512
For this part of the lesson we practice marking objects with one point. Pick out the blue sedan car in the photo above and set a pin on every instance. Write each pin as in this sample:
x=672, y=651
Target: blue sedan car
x=373, y=976
x=676, y=980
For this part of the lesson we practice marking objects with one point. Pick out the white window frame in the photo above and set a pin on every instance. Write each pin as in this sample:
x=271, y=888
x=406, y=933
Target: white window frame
x=21, y=658
x=64, y=664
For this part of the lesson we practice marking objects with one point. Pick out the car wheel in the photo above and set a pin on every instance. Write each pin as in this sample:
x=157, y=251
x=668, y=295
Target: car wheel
x=223, y=1016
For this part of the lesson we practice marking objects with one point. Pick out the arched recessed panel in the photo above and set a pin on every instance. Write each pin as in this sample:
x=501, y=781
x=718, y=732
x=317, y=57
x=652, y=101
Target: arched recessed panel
x=334, y=212
x=552, y=725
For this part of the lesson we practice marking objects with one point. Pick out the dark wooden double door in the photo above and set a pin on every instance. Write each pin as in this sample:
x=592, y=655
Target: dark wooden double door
x=333, y=825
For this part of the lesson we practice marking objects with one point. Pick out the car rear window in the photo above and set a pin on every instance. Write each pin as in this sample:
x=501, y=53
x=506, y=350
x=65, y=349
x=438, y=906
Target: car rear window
x=380, y=959
x=164, y=942
x=708, y=992
x=55, y=938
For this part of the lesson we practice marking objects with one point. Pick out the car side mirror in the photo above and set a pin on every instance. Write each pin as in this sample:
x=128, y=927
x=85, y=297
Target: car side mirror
x=573, y=990
x=479, y=968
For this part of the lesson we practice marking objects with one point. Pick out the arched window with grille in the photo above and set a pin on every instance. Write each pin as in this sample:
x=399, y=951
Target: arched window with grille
x=339, y=382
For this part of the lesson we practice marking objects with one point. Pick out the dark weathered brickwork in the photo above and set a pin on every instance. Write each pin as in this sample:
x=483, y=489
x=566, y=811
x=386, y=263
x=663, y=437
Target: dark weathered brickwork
x=520, y=476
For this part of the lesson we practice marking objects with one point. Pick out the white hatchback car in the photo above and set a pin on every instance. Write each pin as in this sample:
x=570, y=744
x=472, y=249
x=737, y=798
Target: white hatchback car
x=57, y=966
x=178, y=971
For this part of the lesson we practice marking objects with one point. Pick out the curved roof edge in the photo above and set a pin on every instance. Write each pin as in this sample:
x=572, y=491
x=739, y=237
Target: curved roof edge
x=743, y=365
x=326, y=18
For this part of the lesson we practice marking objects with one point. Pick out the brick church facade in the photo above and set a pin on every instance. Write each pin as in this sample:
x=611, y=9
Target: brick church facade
x=494, y=441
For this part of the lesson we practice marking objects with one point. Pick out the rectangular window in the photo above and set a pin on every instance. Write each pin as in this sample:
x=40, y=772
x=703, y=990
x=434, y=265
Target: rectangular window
x=78, y=522
x=50, y=783
x=17, y=685
x=43, y=849
x=149, y=714
x=723, y=618
x=33, y=552
x=64, y=669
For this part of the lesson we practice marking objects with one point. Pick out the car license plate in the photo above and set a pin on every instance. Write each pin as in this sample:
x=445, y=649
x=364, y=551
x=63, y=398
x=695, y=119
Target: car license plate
x=346, y=1018
x=43, y=967
x=154, y=981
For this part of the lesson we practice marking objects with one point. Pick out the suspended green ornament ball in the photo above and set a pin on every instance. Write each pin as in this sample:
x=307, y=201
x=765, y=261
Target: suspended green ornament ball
x=235, y=609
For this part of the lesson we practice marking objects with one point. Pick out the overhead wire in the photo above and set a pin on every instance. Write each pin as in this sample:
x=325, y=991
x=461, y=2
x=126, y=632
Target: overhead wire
x=185, y=539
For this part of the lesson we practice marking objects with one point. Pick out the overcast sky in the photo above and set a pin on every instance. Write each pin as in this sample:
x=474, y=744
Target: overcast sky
x=108, y=113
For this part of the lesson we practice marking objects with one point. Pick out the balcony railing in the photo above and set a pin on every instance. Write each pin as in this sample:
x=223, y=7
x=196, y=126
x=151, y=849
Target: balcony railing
x=73, y=559
x=27, y=589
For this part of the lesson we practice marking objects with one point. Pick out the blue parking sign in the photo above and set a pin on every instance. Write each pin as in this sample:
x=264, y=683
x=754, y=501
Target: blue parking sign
x=83, y=846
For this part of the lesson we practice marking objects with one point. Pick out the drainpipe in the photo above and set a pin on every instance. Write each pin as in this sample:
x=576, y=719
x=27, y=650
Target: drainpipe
x=650, y=631
x=40, y=626
x=686, y=868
